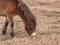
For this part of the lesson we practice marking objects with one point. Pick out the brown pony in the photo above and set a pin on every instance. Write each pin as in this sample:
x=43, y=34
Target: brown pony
x=11, y=8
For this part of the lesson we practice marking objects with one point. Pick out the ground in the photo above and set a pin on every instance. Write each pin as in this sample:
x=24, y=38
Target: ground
x=47, y=13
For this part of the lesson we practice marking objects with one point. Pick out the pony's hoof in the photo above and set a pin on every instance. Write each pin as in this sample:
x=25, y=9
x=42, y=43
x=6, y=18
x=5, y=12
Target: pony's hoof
x=34, y=34
x=12, y=34
x=3, y=32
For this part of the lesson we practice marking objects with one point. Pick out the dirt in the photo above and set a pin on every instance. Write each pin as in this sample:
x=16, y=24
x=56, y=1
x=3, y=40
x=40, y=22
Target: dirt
x=47, y=13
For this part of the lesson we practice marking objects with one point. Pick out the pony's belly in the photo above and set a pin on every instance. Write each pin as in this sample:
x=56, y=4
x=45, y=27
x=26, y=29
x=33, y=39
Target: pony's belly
x=2, y=11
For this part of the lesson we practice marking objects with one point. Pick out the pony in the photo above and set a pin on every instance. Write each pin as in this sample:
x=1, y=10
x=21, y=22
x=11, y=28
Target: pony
x=11, y=8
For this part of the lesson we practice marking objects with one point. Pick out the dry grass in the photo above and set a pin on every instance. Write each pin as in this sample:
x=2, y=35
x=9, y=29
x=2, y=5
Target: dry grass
x=48, y=25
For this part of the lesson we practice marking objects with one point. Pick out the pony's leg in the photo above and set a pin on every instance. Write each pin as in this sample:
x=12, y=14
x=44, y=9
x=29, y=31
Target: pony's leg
x=12, y=30
x=11, y=23
x=5, y=26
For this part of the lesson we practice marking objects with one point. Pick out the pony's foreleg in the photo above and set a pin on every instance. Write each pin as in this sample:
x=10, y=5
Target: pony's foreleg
x=12, y=30
x=11, y=23
x=5, y=26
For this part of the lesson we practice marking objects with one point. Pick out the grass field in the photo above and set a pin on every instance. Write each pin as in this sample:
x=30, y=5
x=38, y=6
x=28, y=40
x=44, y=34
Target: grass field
x=47, y=13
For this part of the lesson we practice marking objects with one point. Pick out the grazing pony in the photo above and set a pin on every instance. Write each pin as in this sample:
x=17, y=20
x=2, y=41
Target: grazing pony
x=11, y=8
